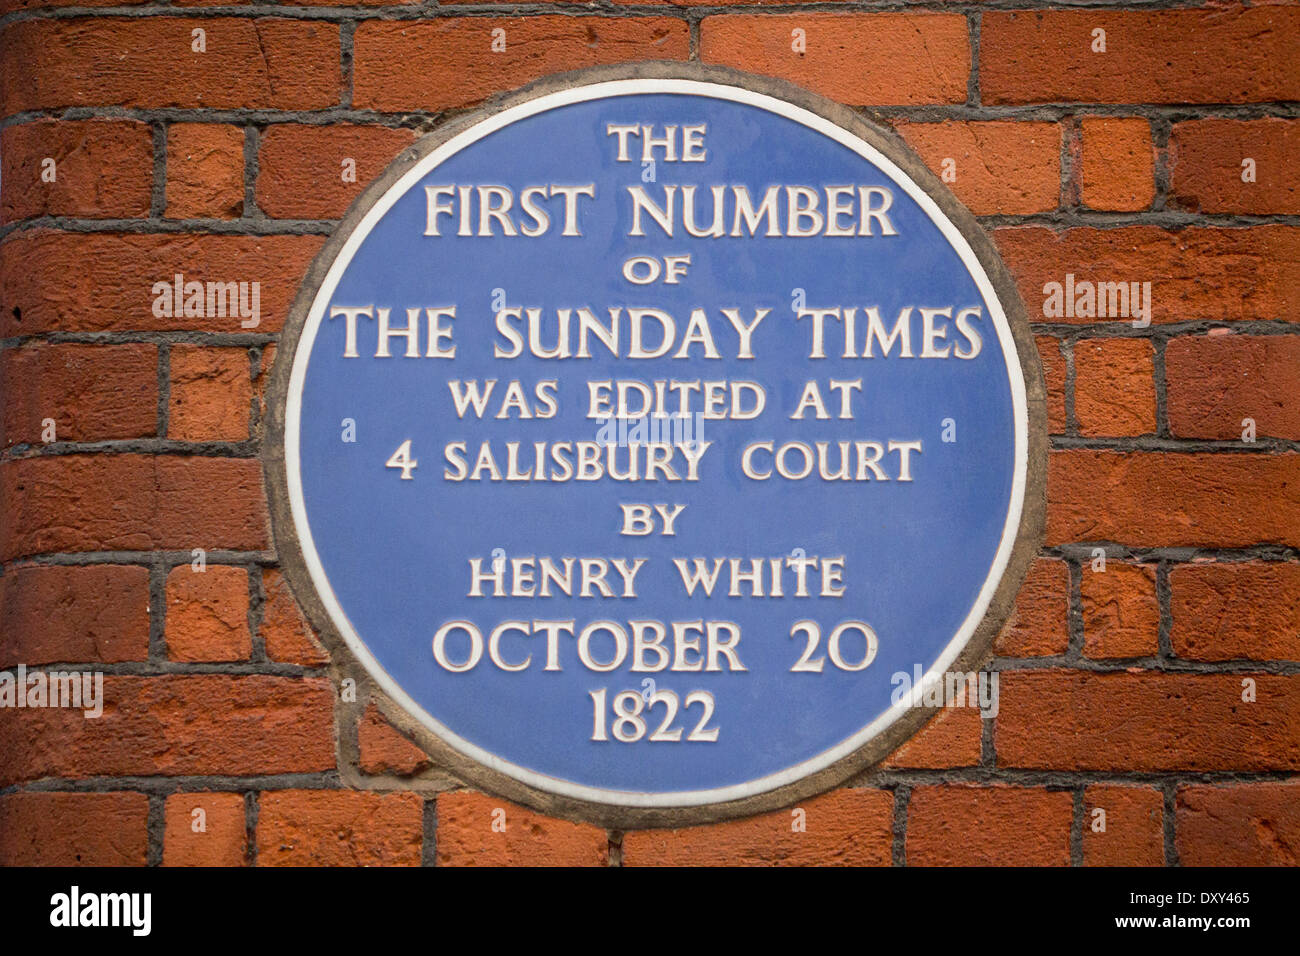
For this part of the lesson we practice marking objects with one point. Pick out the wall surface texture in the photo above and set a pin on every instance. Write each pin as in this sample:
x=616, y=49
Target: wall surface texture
x=1164, y=689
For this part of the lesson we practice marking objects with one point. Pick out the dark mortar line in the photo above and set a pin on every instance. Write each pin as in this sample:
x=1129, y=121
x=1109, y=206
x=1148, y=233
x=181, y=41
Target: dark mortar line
x=166, y=668
x=429, y=844
x=1170, y=821
x=1163, y=601
x=1074, y=611
x=158, y=189
x=898, y=843
x=157, y=653
x=974, y=19
x=251, y=810
x=1076, y=827
x=417, y=118
x=155, y=828
x=252, y=145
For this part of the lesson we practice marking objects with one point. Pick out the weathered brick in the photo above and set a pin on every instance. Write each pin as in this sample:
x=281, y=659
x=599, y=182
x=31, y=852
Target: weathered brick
x=1244, y=824
x=1223, y=54
x=1121, y=613
x=301, y=169
x=1206, y=160
x=1195, y=273
x=1215, y=382
x=467, y=836
x=74, y=829
x=339, y=828
x=444, y=63
x=988, y=826
x=952, y=738
x=1114, y=387
x=131, y=503
x=216, y=837
x=1037, y=625
x=1049, y=353
x=104, y=282
x=1117, y=163
x=285, y=632
x=384, y=750
x=103, y=169
x=1146, y=721
x=205, y=171
x=1133, y=833
x=1154, y=499
x=90, y=392
x=60, y=614
x=176, y=725
x=148, y=63
x=999, y=166
x=207, y=614
x=928, y=55
x=211, y=394
x=1223, y=611
x=851, y=827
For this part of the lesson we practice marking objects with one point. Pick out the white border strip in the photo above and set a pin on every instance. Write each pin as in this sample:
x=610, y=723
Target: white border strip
x=581, y=94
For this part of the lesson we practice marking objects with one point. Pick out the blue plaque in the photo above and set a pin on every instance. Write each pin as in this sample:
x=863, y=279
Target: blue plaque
x=653, y=440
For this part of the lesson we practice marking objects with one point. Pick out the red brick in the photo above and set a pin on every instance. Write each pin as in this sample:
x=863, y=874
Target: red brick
x=1117, y=164
x=384, y=750
x=74, y=829
x=131, y=503
x=301, y=168
x=211, y=394
x=1230, y=611
x=988, y=826
x=1195, y=273
x=1049, y=353
x=207, y=614
x=1244, y=824
x=1222, y=54
x=1155, y=499
x=1215, y=382
x=466, y=836
x=858, y=59
x=92, y=392
x=1121, y=613
x=147, y=63
x=218, y=837
x=1037, y=625
x=103, y=169
x=1205, y=166
x=1000, y=166
x=1146, y=722
x=205, y=171
x=103, y=282
x=177, y=725
x=950, y=739
x=435, y=65
x=1134, y=826
x=285, y=632
x=841, y=828
x=1114, y=387
x=53, y=614
x=339, y=828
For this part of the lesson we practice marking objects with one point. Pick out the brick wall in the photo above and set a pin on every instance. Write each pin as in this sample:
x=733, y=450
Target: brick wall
x=1121, y=689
